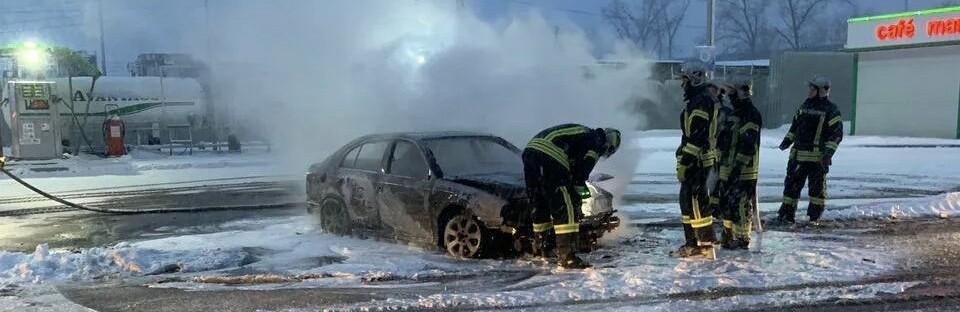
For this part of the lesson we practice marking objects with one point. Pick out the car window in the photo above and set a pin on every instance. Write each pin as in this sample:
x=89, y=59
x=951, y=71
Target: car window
x=407, y=161
x=473, y=156
x=350, y=160
x=370, y=156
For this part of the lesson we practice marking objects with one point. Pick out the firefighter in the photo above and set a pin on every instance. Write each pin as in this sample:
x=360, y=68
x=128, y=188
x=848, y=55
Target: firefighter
x=695, y=158
x=815, y=135
x=556, y=164
x=719, y=176
x=739, y=166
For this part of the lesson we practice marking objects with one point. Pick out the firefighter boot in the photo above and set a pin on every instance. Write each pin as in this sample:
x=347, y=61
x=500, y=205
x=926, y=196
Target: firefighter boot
x=726, y=237
x=543, y=244
x=566, y=244
x=787, y=214
x=689, y=251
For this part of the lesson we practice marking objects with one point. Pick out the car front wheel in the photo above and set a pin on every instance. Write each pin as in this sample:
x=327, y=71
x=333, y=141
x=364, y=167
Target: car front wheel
x=463, y=236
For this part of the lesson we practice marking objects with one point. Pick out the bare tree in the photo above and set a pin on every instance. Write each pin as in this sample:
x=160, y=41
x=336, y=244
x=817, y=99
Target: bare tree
x=744, y=25
x=804, y=21
x=649, y=24
x=672, y=22
x=796, y=15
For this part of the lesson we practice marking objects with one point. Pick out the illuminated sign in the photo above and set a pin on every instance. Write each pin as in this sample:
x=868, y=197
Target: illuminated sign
x=943, y=27
x=904, y=28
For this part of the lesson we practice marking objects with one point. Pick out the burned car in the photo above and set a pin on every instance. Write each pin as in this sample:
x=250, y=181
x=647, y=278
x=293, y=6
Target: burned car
x=458, y=191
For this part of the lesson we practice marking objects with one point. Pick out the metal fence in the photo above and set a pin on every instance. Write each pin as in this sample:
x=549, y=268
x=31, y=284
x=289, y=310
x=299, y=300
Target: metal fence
x=787, y=84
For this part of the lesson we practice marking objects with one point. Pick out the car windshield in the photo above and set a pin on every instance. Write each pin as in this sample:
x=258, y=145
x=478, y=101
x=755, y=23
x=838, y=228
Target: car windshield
x=460, y=156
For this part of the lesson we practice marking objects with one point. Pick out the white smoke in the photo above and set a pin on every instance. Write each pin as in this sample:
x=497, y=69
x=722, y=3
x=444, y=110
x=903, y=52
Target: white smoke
x=312, y=75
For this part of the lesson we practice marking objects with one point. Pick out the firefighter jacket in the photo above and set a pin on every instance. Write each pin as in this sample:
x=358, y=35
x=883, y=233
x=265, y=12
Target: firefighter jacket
x=577, y=148
x=699, y=124
x=726, y=122
x=816, y=131
x=741, y=157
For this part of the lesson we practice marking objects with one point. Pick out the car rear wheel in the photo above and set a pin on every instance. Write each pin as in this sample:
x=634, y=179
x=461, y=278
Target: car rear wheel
x=463, y=236
x=333, y=216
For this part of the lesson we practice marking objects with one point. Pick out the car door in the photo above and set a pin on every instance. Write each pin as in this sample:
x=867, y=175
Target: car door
x=404, y=194
x=360, y=182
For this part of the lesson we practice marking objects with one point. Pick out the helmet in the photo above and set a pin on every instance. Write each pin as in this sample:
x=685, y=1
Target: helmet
x=738, y=84
x=695, y=71
x=819, y=82
x=612, y=143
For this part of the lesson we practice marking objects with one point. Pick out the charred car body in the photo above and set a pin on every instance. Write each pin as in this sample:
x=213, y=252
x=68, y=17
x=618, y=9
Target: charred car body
x=461, y=192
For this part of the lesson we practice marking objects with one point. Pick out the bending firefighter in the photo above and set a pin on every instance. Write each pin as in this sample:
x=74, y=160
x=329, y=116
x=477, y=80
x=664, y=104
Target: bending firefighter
x=556, y=165
x=815, y=134
x=695, y=158
x=739, y=167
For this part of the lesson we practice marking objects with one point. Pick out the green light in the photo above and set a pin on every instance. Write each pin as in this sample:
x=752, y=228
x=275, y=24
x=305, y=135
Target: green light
x=903, y=14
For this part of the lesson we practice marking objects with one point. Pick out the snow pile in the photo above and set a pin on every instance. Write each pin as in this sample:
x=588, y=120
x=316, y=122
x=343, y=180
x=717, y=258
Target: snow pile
x=940, y=206
x=44, y=265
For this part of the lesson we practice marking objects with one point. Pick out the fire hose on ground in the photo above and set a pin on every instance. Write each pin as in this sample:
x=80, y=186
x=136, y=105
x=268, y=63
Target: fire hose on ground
x=131, y=211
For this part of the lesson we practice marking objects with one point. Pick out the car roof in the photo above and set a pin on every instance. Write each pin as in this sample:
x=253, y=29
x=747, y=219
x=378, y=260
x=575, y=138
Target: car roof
x=427, y=135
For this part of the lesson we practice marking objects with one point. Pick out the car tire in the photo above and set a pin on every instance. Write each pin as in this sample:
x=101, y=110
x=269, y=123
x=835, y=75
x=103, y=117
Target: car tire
x=464, y=236
x=333, y=216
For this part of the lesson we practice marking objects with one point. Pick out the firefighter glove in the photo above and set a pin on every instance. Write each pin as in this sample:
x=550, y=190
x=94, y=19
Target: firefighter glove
x=827, y=161
x=3, y=161
x=681, y=172
x=785, y=145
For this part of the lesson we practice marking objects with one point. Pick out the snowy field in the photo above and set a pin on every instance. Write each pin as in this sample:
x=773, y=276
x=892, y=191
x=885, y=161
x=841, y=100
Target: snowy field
x=633, y=270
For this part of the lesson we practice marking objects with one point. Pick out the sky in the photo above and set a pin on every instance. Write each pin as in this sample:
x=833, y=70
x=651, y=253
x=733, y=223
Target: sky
x=158, y=26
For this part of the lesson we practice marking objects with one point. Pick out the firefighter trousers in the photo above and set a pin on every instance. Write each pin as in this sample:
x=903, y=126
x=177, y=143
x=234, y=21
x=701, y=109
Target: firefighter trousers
x=739, y=206
x=696, y=215
x=798, y=173
x=556, y=202
x=717, y=195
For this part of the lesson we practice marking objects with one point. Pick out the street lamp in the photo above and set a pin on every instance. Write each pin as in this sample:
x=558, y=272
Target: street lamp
x=31, y=56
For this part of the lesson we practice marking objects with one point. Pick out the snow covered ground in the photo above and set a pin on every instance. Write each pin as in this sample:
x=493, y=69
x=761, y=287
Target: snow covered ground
x=91, y=175
x=634, y=269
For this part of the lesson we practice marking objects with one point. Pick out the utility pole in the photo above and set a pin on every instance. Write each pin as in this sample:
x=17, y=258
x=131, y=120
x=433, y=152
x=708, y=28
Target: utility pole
x=208, y=97
x=710, y=21
x=103, y=49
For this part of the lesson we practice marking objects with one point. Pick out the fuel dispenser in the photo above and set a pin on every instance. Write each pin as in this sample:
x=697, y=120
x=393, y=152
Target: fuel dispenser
x=34, y=120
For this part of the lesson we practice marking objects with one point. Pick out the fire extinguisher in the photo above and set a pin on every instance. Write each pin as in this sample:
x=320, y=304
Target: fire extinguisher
x=114, y=131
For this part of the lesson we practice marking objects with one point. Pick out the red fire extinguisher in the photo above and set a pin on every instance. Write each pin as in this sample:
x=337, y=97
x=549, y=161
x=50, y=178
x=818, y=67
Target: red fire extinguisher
x=113, y=132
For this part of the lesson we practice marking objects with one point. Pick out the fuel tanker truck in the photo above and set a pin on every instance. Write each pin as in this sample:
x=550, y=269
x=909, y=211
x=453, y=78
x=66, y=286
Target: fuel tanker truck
x=149, y=106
